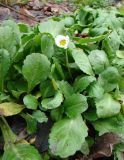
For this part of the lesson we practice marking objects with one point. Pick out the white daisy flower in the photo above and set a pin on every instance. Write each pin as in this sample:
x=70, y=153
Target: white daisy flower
x=62, y=41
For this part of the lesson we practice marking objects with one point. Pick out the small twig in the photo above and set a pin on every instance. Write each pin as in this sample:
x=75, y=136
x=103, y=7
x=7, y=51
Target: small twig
x=18, y=12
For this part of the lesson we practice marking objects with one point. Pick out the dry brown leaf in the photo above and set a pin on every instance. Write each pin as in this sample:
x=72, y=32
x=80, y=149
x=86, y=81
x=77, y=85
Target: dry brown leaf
x=26, y=19
x=104, y=145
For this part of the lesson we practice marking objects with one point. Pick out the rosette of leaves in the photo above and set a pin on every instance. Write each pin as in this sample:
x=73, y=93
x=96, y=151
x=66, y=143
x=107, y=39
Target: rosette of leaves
x=72, y=88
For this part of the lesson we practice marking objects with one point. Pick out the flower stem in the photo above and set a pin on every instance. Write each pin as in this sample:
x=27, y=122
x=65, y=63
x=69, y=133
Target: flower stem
x=67, y=63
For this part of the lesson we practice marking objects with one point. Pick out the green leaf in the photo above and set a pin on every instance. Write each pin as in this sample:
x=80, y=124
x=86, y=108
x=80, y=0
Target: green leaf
x=36, y=68
x=82, y=83
x=113, y=124
x=47, y=89
x=119, y=147
x=85, y=15
x=85, y=148
x=65, y=88
x=10, y=108
x=8, y=135
x=98, y=60
x=21, y=152
x=121, y=34
x=106, y=46
x=24, y=28
x=57, y=113
x=67, y=136
x=17, y=88
x=120, y=54
x=82, y=61
x=96, y=90
x=58, y=68
x=75, y=105
x=47, y=45
x=30, y=102
x=115, y=41
x=40, y=116
x=91, y=115
x=118, y=155
x=53, y=27
x=98, y=31
x=107, y=86
x=91, y=39
x=68, y=21
x=10, y=37
x=109, y=78
x=108, y=19
x=31, y=122
x=107, y=106
x=51, y=103
x=4, y=97
x=4, y=66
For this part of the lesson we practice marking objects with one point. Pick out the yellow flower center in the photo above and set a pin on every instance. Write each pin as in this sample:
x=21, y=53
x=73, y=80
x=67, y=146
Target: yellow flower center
x=63, y=42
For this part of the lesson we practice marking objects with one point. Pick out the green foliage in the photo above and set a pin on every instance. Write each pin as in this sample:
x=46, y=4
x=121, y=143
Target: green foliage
x=98, y=60
x=52, y=27
x=95, y=3
x=73, y=87
x=113, y=124
x=10, y=34
x=96, y=90
x=65, y=88
x=4, y=66
x=40, y=69
x=14, y=152
x=40, y=116
x=30, y=102
x=109, y=78
x=63, y=133
x=51, y=103
x=75, y=105
x=31, y=122
x=47, y=45
x=107, y=106
x=82, y=61
x=82, y=83
x=10, y=108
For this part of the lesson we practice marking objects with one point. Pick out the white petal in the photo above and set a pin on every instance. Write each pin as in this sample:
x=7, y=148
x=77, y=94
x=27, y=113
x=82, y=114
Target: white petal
x=67, y=40
x=58, y=40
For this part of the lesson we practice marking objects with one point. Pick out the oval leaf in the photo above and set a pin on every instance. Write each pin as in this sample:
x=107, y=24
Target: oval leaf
x=107, y=106
x=96, y=90
x=30, y=102
x=51, y=103
x=10, y=109
x=31, y=122
x=21, y=152
x=75, y=105
x=82, y=61
x=91, y=39
x=98, y=60
x=36, y=68
x=65, y=88
x=40, y=116
x=82, y=83
x=47, y=45
x=53, y=27
x=67, y=136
